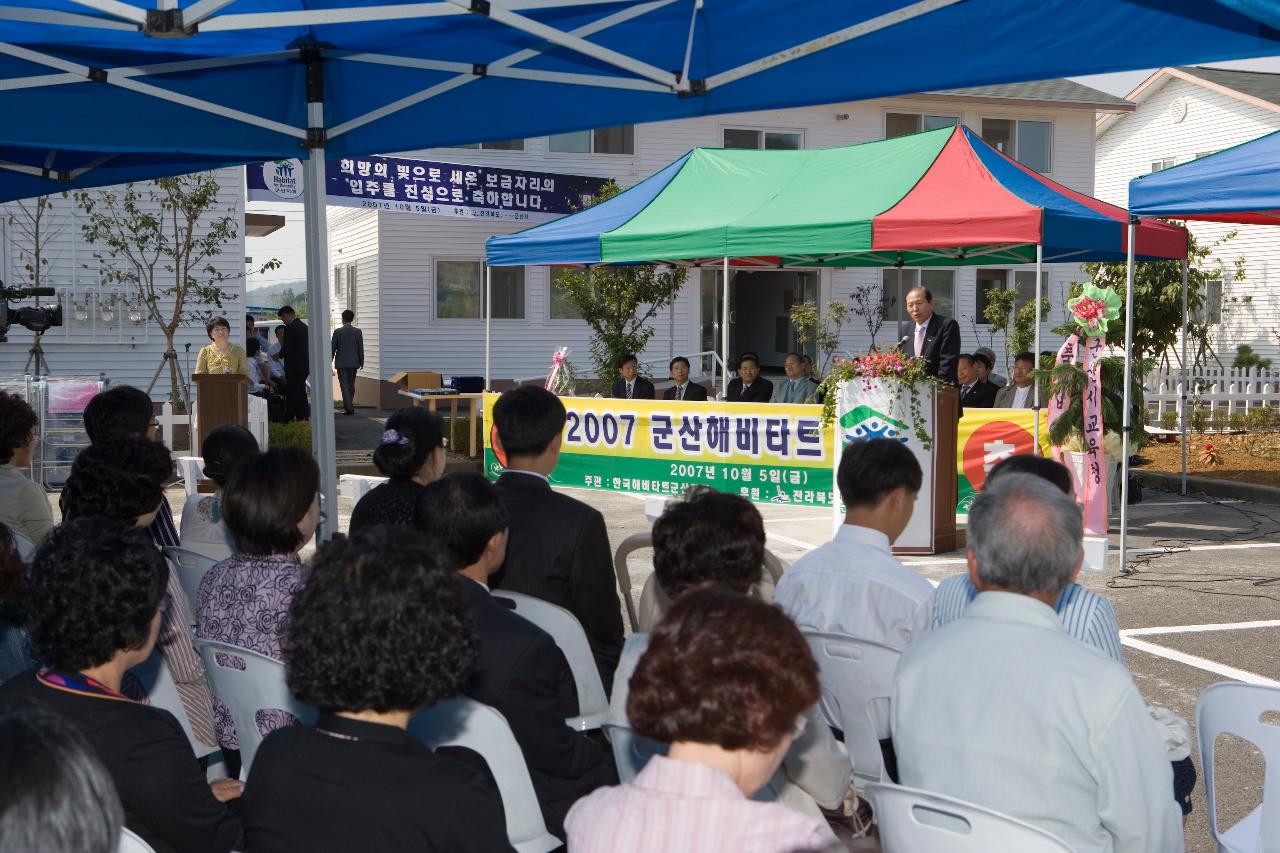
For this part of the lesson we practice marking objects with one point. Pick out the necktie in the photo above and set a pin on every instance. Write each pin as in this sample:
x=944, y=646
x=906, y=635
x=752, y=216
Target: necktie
x=920, y=340
x=679, y=392
x=791, y=393
x=628, y=390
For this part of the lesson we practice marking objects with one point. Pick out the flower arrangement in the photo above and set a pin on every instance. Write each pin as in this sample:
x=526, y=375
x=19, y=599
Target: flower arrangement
x=1094, y=309
x=560, y=378
x=906, y=373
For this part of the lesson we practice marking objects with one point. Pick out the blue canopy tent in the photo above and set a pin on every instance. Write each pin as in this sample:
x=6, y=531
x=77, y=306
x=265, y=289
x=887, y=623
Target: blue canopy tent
x=103, y=91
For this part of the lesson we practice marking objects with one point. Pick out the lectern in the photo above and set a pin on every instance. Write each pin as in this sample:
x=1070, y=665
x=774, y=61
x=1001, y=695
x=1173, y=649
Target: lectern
x=877, y=408
x=222, y=398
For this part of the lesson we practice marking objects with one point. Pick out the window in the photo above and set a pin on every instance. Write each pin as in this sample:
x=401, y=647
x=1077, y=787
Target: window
x=338, y=286
x=1203, y=154
x=613, y=140
x=1161, y=165
x=501, y=145
x=1028, y=142
x=769, y=140
x=1024, y=281
x=1210, y=313
x=560, y=307
x=901, y=124
x=460, y=291
x=941, y=283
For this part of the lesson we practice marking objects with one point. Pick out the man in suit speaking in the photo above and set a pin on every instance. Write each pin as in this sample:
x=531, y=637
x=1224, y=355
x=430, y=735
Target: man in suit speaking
x=930, y=336
x=631, y=386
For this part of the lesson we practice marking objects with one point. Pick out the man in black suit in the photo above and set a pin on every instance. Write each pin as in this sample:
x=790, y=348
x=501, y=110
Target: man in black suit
x=748, y=386
x=683, y=389
x=519, y=669
x=975, y=392
x=297, y=366
x=631, y=386
x=931, y=336
x=559, y=547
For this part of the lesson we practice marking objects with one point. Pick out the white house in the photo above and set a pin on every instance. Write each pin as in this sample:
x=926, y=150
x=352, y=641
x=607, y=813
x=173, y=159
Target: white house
x=398, y=270
x=1183, y=114
x=104, y=330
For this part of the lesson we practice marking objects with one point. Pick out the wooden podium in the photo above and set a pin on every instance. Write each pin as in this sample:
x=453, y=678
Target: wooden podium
x=221, y=398
x=877, y=409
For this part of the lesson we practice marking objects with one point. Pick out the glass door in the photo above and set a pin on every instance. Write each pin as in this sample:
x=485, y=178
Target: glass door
x=712, y=309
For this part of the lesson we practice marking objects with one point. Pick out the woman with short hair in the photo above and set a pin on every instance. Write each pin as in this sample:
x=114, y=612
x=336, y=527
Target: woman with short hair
x=411, y=454
x=203, y=530
x=271, y=506
x=92, y=607
x=381, y=630
x=725, y=681
x=24, y=507
x=221, y=356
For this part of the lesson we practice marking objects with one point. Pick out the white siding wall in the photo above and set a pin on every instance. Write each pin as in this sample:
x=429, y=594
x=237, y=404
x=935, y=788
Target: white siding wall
x=1127, y=147
x=413, y=339
x=131, y=355
x=355, y=233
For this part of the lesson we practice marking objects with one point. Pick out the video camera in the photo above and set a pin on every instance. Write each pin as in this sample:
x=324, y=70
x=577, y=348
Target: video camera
x=37, y=318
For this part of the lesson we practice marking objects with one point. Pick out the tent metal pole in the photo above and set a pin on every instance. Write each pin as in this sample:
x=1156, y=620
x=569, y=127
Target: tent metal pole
x=1035, y=383
x=724, y=333
x=488, y=317
x=1182, y=394
x=317, y=242
x=902, y=297
x=1128, y=396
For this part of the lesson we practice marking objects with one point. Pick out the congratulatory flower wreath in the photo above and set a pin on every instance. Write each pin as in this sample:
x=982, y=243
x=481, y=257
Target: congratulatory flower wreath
x=904, y=375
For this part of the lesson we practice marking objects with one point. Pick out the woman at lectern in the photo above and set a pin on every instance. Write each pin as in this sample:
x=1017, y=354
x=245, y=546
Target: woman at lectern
x=221, y=356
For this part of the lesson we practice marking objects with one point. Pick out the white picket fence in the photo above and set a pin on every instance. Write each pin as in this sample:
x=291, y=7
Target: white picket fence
x=168, y=421
x=1220, y=391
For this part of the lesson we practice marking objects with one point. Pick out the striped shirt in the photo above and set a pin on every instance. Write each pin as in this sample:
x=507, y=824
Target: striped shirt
x=1086, y=615
x=683, y=807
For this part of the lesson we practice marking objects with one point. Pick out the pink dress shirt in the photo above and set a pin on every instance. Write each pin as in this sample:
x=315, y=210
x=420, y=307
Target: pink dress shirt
x=684, y=807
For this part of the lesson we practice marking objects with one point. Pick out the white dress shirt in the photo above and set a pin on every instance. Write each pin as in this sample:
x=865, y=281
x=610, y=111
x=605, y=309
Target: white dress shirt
x=1020, y=398
x=1003, y=708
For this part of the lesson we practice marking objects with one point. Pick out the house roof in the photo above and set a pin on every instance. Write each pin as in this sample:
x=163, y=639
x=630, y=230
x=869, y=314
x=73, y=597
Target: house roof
x=1259, y=88
x=1058, y=92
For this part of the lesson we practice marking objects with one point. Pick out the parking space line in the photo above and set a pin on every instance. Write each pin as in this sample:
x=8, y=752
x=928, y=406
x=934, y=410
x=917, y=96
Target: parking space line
x=1182, y=548
x=1198, y=662
x=1189, y=501
x=801, y=518
x=798, y=543
x=1191, y=629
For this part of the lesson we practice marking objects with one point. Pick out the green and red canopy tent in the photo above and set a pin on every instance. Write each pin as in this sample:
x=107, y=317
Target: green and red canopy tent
x=939, y=198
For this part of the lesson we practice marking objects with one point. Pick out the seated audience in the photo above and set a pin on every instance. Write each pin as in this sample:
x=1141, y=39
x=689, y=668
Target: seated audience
x=381, y=630
x=411, y=454
x=748, y=386
x=123, y=479
x=24, y=507
x=93, y=610
x=798, y=388
x=202, y=528
x=1004, y=708
x=15, y=648
x=260, y=382
x=519, y=669
x=276, y=364
x=1019, y=394
x=631, y=385
x=975, y=392
x=123, y=411
x=271, y=506
x=853, y=585
x=683, y=389
x=559, y=549
x=714, y=538
x=724, y=681
x=988, y=368
x=56, y=793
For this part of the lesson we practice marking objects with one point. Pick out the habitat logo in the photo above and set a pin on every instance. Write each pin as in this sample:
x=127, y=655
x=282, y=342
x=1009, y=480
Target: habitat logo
x=863, y=423
x=283, y=177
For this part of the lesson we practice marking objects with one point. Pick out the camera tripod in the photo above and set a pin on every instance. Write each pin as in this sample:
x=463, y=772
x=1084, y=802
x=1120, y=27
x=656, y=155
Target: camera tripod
x=36, y=359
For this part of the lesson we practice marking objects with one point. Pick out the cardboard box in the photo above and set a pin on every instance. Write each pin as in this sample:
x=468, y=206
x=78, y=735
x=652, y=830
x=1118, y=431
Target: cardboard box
x=411, y=379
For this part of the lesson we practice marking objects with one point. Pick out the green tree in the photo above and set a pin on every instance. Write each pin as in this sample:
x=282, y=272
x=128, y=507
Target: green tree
x=1022, y=337
x=998, y=313
x=36, y=236
x=1246, y=358
x=160, y=241
x=813, y=327
x=618, y=302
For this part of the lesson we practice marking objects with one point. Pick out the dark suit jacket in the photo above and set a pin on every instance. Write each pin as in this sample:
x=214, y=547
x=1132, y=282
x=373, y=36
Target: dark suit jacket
x=761, y=391
x=517, y=671
x=558, y=550
x=166, y=798
x=981, y=396
x=696, y=392
x=643, y=391
x=293, y=350
x=373, y=787
x=941, y=345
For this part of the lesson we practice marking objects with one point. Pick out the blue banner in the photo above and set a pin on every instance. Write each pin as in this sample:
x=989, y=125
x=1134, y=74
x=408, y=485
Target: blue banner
x=436, y=189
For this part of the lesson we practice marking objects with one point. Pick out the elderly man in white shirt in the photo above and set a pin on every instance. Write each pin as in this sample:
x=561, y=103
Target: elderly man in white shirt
x=1020, y=394
x=1005, y=709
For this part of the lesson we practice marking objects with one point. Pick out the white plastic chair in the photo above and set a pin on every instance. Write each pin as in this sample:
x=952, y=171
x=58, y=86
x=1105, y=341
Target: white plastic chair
x=191, y=567
x=471, y=725
x=854, y=674
x=654, y=601
x=26, y=548
x=259, y=686
x=912, y=820
x=564, y=628
x=191, y=468
x=355, y=486
x=631, y=752
x=1230, y=707
x=162, y=692
x=131, y=842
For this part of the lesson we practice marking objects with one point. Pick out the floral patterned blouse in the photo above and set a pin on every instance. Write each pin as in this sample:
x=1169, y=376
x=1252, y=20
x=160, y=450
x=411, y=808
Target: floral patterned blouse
x=244, y=601
x=233, y=360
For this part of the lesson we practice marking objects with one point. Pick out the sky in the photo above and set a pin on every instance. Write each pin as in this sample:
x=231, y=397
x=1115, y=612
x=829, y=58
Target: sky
x=287, y=243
